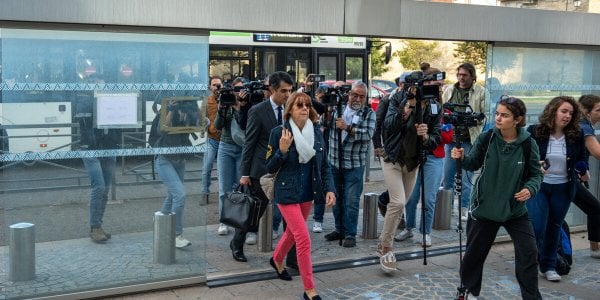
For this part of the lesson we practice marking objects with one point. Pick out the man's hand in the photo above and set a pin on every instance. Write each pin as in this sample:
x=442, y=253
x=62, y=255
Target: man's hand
x=377, y=152
x=340, y=124
x=245, y=180
x=330, y=199
x=421, y=129
x=457, y=153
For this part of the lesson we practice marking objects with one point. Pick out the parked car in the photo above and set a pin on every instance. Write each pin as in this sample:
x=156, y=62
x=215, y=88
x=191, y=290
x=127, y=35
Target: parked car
x=386, y=85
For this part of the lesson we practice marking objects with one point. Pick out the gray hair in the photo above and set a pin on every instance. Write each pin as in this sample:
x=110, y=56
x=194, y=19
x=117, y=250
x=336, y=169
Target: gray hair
x=359, y=84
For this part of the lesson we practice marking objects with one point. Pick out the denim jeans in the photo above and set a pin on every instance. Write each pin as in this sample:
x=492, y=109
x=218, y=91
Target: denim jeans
x=547, y=211
x=353, y=188
x=212, y=146
x=318, y=212
x=450, y=172
x=101, y=171
x=229, y=159
x=433, y=176
x=171, y=172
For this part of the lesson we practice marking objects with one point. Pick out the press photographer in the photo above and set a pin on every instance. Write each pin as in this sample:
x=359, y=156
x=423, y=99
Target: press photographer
x=465, y=91
x=411, y=124
x=252, y=93
x=229, y=156
x=348, y=148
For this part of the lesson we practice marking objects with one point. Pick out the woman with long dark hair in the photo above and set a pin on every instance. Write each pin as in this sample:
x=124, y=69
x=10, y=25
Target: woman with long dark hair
x=561, y=150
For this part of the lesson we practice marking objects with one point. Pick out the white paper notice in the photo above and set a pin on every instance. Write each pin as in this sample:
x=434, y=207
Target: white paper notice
x=117, y=110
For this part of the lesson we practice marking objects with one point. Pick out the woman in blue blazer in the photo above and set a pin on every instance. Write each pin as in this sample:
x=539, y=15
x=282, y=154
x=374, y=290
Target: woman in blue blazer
x=296, y=153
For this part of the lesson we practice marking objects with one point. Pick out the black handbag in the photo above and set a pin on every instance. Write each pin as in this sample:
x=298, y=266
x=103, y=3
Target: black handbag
x=238, y=207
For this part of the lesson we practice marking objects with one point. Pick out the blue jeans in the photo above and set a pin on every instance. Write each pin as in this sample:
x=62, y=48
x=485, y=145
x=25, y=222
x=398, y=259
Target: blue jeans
x=171, y=172
x=318, y=212
x=353, y=188
x=229, y=159
x=450, y=172
x=101, y=171
x=547, y=211
x=212, y=146
x=433, y=176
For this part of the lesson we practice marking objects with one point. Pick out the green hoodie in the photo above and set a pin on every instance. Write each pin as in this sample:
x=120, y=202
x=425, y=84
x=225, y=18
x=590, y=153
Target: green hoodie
x=492, y=197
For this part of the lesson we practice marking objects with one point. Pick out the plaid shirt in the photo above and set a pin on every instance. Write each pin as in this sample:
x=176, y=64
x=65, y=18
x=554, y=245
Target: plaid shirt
x=356, y=146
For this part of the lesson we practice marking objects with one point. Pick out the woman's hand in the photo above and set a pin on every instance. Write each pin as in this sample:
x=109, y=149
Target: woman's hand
x=457, y=153
x=330, y=199
x=523, y=195
x=285, y=141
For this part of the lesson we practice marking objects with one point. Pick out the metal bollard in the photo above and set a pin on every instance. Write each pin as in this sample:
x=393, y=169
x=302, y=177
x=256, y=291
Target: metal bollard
x=22, y=252
x=443, y=210
x=370, y=216
x=164, y=238
x=265, y=230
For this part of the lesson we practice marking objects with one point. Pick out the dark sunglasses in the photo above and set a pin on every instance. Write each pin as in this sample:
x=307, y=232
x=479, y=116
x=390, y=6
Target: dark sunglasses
x=302, y=104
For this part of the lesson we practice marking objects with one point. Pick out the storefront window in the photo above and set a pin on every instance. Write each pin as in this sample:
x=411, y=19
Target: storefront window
x=76, y=115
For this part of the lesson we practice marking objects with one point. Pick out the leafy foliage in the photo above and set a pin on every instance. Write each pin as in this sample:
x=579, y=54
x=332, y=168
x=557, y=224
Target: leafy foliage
x=416, y=52
x=473, y=52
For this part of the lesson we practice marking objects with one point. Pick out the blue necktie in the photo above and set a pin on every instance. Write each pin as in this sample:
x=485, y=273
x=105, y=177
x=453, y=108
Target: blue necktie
x=279, y=118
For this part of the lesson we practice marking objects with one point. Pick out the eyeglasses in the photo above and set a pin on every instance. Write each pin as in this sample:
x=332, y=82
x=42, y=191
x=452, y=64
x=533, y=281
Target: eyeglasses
x=302, y=104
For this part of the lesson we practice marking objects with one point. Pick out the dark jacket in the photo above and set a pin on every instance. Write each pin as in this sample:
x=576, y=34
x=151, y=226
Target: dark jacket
x=288, y=187
x=261, y=120
x=575, y=152
x=396, y=129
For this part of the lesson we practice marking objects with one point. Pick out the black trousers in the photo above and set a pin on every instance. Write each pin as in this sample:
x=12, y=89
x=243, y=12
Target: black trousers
x=239, y=236
x=480, y=237
x=591, y=207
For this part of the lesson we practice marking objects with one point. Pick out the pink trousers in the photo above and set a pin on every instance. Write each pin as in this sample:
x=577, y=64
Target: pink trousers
x=295, y=216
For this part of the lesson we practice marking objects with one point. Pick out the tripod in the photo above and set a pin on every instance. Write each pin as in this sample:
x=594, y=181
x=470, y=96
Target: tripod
x=459, y=136
x=422, y=158
x=340, y=187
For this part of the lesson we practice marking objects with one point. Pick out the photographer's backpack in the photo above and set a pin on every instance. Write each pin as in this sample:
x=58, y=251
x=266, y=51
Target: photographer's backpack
x=564, y=254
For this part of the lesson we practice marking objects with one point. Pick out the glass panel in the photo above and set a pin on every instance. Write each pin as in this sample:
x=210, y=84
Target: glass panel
x=77, y=108
x=297, y=60
x=354, y=68
x=229, y=69
x=328, y=67
x=536, y=75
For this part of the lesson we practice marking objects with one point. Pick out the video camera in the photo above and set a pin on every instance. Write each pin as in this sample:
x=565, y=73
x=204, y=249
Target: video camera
x=254, y=90
x=226, y=95
x=424, y=92
x=461, y=116
x=334, y=95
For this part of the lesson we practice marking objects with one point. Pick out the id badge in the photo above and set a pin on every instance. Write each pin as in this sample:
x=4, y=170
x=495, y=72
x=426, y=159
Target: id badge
x=434, y=110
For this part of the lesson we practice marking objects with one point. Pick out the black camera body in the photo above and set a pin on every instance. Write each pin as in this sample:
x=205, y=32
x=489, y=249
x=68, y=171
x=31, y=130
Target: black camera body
x=462, y=117
x=424, y=92
x=226, y=96
x=255, y=91
x=333, y=95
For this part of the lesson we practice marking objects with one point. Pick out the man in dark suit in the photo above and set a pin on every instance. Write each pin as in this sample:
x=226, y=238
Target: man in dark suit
x=262, y=118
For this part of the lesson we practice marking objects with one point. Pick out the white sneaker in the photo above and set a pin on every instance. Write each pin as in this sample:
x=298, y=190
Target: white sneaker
x=403, y=235
x=464, y=213
x=470, y=297
x=181, y=242
x=552, y=276
x=418, y=239
x=251, y=238
x=318, y=227
x=275, y=234
x=223, y=230
x=388, y=262
x=595, y=253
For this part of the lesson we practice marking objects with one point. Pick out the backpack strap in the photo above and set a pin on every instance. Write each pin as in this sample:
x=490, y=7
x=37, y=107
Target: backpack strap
x=526, y=155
